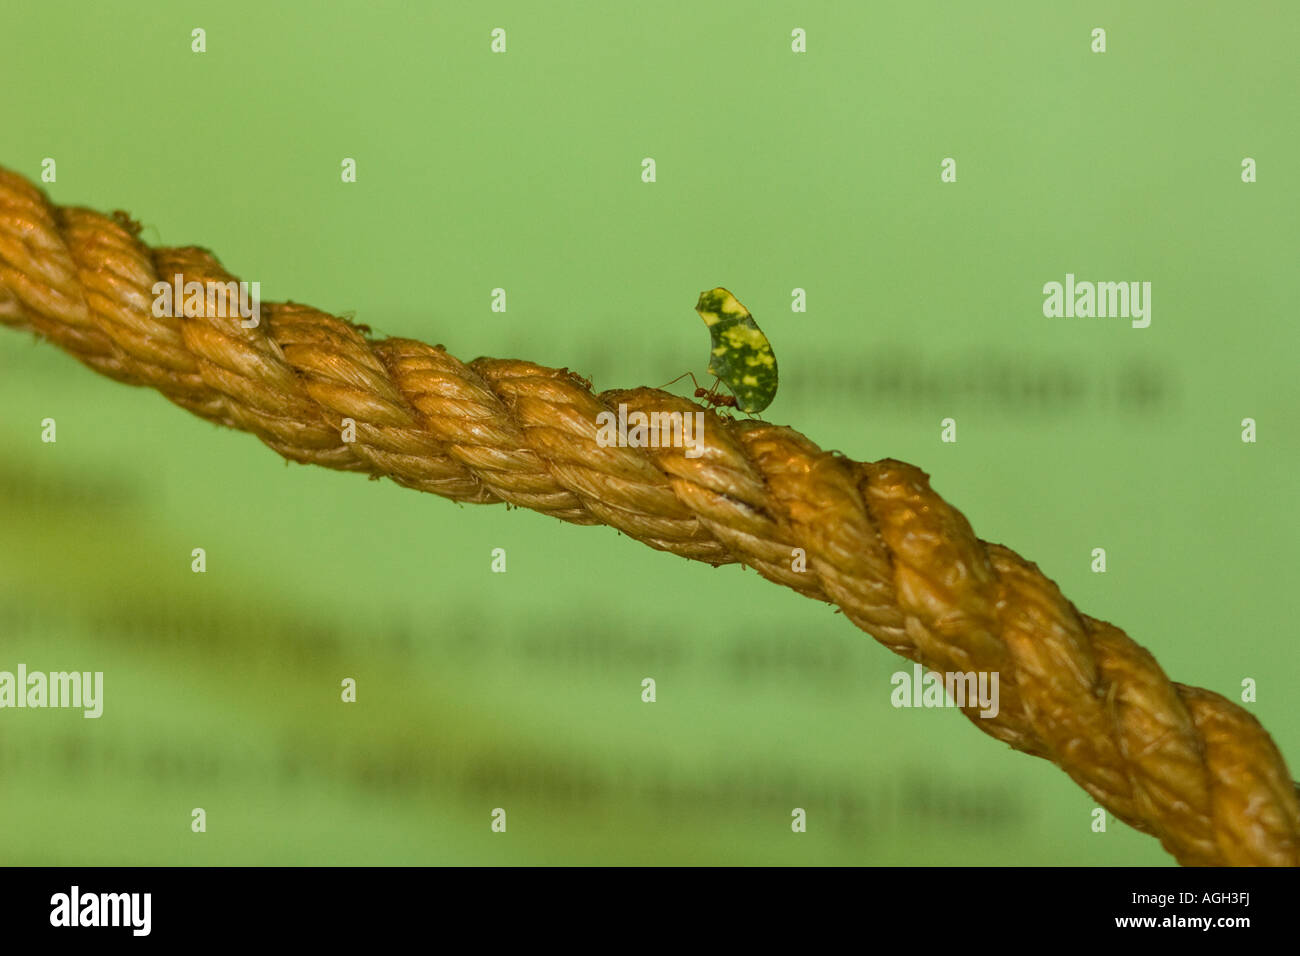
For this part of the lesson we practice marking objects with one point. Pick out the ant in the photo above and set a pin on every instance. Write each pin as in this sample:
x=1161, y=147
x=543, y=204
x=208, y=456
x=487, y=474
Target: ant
x=710, y=395
x=576, y=378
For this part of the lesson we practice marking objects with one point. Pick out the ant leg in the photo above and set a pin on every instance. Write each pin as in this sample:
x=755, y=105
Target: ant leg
x=679, y=378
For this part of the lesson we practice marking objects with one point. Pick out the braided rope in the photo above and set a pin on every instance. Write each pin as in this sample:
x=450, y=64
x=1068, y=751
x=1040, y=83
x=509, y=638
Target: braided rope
x=1179, y=762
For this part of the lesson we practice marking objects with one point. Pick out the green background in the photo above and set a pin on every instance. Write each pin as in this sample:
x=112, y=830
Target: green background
x=775, y=171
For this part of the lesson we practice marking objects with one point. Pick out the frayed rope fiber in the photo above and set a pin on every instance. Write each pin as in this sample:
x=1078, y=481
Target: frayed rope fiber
x=1181, y=763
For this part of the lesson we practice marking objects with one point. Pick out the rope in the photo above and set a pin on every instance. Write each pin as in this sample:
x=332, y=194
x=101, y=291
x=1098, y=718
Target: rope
x=1181, y=763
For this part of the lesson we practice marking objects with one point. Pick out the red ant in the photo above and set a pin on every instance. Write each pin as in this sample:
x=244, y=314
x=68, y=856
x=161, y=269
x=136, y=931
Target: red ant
x=710, y=395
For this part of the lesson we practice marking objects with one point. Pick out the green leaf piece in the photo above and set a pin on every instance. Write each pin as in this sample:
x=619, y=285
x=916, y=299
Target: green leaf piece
x=741, y=358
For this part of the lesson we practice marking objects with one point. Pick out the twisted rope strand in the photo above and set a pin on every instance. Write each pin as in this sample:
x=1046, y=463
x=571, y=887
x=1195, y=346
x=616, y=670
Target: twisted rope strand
x=1179, y=762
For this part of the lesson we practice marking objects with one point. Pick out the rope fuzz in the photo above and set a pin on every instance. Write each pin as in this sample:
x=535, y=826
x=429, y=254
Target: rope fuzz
x=1181, y=763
